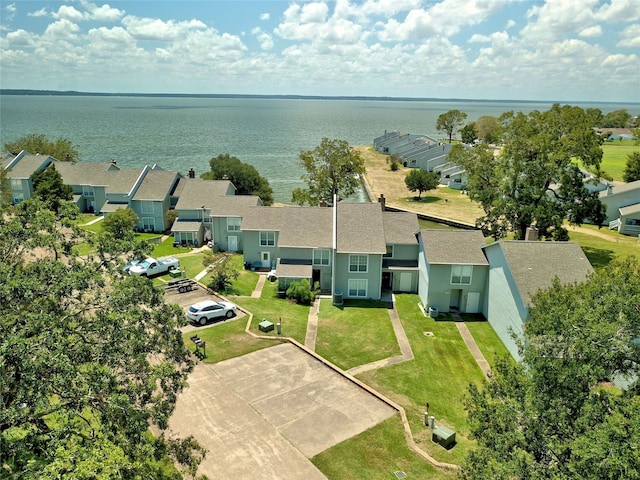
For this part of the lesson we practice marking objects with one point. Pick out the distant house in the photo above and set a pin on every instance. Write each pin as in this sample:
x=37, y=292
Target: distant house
x=453, y=270
x=19, y=169
x=150, y=198
x=519, y=269
x=353, y=250
x=210, y=211
x=622, y=203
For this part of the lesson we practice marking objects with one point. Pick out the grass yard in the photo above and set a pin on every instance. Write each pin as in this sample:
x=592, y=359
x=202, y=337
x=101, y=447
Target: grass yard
x=440, y=374
x=227, y=340
x=489, y=343
x=357, y=334
x=293, y=317
x=376, y=454
x=603, y=245
x=614, y=157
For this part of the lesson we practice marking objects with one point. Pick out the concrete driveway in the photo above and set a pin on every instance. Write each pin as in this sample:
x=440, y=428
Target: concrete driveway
x=260, y=416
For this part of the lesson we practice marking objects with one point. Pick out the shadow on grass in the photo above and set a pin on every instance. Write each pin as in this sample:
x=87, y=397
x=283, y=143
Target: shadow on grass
x=598, y=257
x=425, y=199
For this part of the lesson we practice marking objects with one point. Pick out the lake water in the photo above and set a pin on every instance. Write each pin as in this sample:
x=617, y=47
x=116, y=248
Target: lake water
x=269, y=133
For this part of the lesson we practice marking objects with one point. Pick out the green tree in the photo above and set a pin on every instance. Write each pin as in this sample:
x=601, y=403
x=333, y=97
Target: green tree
x=616, y=119
x=61, y=148
x=450, y=121
x=421, y=180
x=89, y=359
x=244, y=177
x=468, y=133
x=535, y=179
x=632, y=168
x=636, y=135
x=301, y=292
x=394, y=160
x=332, y=166
x=6, y=195
x=489, y=129
x=223, y=273
x=48, y=187
x=558, y=414
x=120, y=223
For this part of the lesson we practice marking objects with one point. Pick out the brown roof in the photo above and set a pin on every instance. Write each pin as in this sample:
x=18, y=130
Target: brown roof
x=535, y=264
x=456, y=247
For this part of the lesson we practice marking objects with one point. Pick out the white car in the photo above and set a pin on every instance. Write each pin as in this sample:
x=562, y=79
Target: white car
x=207, y=310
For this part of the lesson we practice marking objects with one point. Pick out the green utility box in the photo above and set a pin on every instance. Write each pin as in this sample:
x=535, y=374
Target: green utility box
x=443, y=436
x=265, y=326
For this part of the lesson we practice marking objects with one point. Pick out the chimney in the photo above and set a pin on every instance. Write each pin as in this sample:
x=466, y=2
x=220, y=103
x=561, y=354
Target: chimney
x=225, y=177
x=532, y=233
x=113, y=162
x=323, y=202
x=383, y=202
x=192, y=173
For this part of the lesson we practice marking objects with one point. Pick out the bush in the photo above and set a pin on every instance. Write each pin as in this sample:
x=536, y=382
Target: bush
x=301, y=292
x=394, y=162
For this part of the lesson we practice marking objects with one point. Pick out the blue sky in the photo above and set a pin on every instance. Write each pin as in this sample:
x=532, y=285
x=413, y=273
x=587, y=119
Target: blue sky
x=564, y=50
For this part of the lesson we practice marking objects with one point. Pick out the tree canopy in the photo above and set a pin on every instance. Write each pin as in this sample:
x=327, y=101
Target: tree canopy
x=632, y=168
x=332, y=166
x=61, y=149
x=421, y=180
x=244, y=177
x=120, y=223
x=89, y=358
x=49, y=187
x=616, y=119
x=489, y=129
x=559, y=413
x=535, y=178
x=450, y=121
x=469, y=133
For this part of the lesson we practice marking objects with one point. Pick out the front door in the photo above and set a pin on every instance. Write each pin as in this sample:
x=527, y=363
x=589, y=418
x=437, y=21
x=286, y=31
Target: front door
x=233, y=244
x=473, y=302
x=405, y=281
x=266, y=259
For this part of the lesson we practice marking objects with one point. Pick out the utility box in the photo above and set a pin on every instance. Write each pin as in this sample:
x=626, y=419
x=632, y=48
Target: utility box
x=265, y=326
x=443, y=436
x=337, y=299
x=433, y=312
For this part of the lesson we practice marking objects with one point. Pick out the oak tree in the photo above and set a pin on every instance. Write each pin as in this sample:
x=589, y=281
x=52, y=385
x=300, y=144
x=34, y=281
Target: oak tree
x=61, y=148
x=89, y=358
x=331, y=167
x=569, y=409
x=632, y=168
x=421, y=180
x=450, y=121
x=536, y=177
x=245, y=177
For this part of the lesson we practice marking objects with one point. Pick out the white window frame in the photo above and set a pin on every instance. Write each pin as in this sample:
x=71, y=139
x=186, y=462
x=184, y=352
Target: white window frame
x=16, y=184
x=358, y=287
x=267, y=238
x=233, y=224
x=461, y=274
x=356, y=265
x=87, y=191
x=321, y=257
x=146, y=206
x=148, y=222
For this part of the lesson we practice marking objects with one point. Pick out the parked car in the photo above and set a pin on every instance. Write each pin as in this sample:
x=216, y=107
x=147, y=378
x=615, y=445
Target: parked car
x=154, y=266
x=130, y=264
x=203, y=312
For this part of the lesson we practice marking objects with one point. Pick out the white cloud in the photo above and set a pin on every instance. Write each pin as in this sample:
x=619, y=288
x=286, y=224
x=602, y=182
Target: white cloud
x=619, y=11
x=62, y=29
x=302, y=22
x=67, y=12
x=104, y=13
x=510, y=24
x=591, y=32
x=39, y=13
x=19, y=38
x=264, y=17
x=630, y=37
x=264, y=39
x=156, y=29
x=10, y=12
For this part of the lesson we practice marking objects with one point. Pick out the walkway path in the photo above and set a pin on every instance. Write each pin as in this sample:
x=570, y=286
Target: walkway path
x=471, y=344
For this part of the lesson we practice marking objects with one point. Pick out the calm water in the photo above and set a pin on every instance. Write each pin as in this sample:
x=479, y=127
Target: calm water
x=180, y=133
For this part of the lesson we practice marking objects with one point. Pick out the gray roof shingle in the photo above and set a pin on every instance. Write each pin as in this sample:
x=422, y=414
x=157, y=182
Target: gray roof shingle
x=456, y=247
x=400, y=227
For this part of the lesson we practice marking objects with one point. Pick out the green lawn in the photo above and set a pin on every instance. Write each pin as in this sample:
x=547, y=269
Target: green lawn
x=226, y=340
x=614, y=158
x=489, y=343
x=440, y=374
x=376, y=454
x=292, y=317
x=357, y=334
x=605, y=245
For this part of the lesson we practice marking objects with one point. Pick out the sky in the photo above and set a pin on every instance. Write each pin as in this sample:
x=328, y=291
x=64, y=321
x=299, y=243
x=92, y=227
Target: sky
x=547, y=50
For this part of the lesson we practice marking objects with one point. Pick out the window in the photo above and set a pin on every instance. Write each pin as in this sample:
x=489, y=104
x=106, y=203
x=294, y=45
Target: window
x=267, y=239
x=461, y=274
x=147, y=207
x=233, y=224
x=358, y=263
x=389, y=251
x=18, y=197
x=357, y=287
x=16, y=184
x=321, y=257
x=148, y=224
x=87, y=191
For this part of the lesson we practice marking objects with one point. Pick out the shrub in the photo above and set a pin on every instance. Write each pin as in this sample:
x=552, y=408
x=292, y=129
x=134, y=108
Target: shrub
x=301, y=292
